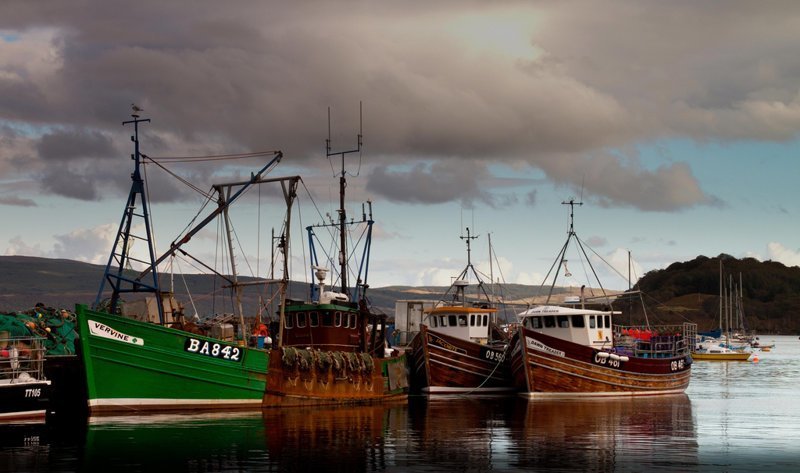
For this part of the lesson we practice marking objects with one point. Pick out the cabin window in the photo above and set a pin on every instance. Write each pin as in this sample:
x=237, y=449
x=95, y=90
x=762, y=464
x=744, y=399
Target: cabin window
x=451, y=320
x=288, y=322
x=442, y=321
x=608, y=321
x=485, y=320
x=351, y=321
x=577, y=321
x=472, y=320
x=462, y=320
x=536, y=322
x=327, y=319
x=435, y=321
x=591, y=322
x=563, y=321
x=337, y=319
x=313, y=318
x=549, y=321
x=301, y=320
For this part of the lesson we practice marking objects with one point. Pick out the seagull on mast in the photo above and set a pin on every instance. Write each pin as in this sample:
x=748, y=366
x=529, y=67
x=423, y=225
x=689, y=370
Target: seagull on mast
x=136, y=109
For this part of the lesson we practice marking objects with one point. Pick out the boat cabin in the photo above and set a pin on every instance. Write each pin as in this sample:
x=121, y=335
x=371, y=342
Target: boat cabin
x=587, y=327
x=331, y=322
x=466, y=323
x=325, y=325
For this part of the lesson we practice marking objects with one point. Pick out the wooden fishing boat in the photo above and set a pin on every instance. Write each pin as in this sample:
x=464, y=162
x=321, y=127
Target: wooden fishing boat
x=331, y=348
x=572, y=350
x=24, y=391
x=459, y=348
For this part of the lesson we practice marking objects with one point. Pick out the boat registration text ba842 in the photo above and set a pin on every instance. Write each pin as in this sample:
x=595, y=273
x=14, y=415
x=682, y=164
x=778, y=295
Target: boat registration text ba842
x=213, y=349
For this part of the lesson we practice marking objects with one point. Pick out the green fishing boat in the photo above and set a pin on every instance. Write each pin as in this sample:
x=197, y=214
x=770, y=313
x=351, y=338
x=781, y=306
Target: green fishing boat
x=145, y=355
x=133, y=365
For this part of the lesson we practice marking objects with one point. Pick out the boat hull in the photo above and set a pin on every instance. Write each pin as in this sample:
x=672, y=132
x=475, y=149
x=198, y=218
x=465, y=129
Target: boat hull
x=545, y=366
x=730, y=356
x=24, y=399
x=443, y=364
x=133, y=366
x=299, y=377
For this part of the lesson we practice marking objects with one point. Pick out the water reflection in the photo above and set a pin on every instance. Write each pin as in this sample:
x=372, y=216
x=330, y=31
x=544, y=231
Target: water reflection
x=451, y=433
x=455, y=434
x=350, y=438
x=202, y=442
x=633, y=434
x=630, y=434
x=23, y=446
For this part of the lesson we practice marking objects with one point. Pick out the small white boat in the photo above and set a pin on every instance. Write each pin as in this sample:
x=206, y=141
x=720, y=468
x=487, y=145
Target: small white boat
x=24, y=392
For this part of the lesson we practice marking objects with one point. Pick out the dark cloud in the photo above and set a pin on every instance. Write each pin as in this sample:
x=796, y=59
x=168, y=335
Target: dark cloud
x=64, y=181
x=614, y=181
x=515, y=82
x=442, y=181
x=65, y=145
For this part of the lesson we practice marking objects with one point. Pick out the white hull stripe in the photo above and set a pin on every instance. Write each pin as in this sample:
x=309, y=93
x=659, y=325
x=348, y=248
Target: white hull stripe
x=23, y=414
x=442, y=390
x=133, y=402
x=567, y=395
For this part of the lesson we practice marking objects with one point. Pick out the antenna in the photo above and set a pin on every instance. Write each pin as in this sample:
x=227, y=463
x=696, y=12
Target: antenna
x=342, y=186
x=467, y=239
x=571, y=202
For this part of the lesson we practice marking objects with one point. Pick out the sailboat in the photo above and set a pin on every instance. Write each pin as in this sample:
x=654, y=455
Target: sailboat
x=460, y=348
x=575, y=350
x=720, y=348
x=158, y=359
x=331, y=348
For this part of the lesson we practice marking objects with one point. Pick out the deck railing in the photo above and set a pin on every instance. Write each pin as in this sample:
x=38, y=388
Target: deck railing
x=655, y=341
x=21, y=356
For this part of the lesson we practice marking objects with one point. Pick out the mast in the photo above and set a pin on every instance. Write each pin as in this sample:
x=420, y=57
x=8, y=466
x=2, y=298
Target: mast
x=721, y=293
x=289, y=194
x=342, y=187
x=491, y=266
x=459, y=282
x=120, y=253
x=234, y=278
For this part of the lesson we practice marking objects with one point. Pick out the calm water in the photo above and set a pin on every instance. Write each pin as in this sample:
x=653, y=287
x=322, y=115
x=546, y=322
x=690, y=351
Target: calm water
x=734, y=417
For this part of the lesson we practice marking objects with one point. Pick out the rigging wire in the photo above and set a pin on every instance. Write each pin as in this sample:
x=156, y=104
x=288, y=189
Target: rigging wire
x=186, y=285
x=215, y=157
x=179, y=178
x=152, y=224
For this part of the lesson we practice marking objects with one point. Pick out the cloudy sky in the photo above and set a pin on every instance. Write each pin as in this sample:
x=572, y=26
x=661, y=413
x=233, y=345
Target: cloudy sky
x=676, y=124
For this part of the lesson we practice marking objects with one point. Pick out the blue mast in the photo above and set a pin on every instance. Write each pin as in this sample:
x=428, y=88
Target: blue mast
x=120, y=253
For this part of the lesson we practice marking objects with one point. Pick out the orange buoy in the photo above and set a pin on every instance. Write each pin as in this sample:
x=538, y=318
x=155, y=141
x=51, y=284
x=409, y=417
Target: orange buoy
x=755, y=357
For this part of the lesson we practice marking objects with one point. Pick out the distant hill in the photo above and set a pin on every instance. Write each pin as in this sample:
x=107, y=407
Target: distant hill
x=690, y=291
x=685, y=291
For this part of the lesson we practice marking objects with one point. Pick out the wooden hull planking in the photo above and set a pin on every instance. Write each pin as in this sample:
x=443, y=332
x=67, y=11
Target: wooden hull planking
x=545, y=366
x=450, y=365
